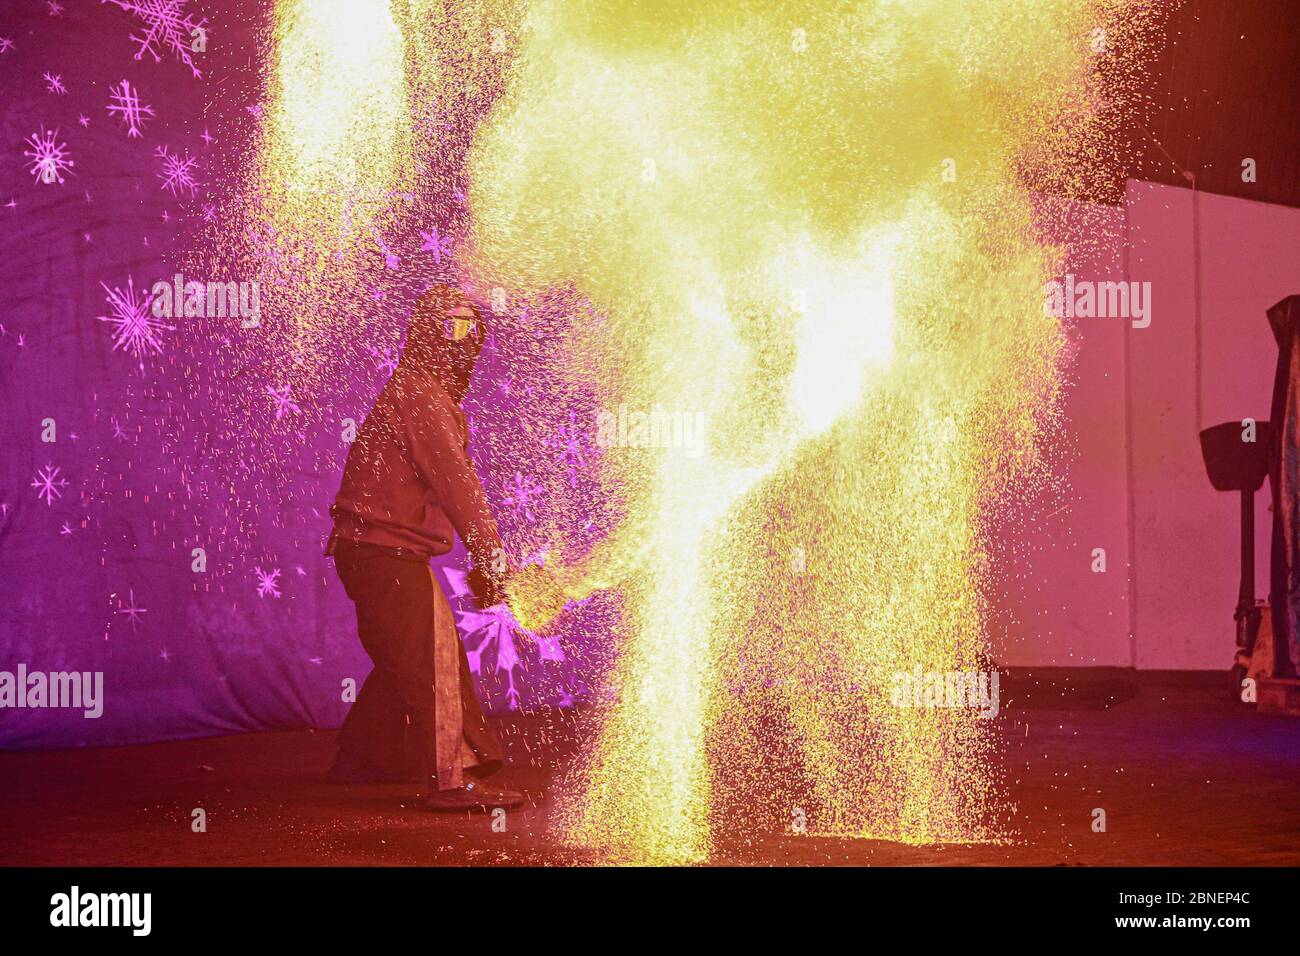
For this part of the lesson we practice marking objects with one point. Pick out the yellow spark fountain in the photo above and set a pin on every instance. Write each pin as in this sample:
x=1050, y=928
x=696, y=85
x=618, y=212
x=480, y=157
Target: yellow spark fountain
x=334, y=148
x=339, y=119
x=810, y=222
x=807, y=222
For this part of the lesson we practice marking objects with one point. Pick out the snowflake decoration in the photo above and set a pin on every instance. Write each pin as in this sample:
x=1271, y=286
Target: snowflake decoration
x=525, y=493
x=284, y=404
x=573, y=455
x=49, y=157
x=136, y=330
x=126, y=101
x=55, y=8
x=166, y=27
x=493, y=635
x=6, y=44
x=386, y=359
x=439, y=245
x=176, y=173
x=267, y=582
x=130, y=610
x=391, y=260
x=54, y=84
x=48, y=484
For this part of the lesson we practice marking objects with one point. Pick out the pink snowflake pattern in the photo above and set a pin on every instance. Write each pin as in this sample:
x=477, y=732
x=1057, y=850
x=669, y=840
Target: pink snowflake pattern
x=284, y=404
x=54, y=84
x=386, y=359
x=572, y=444
x=130, y=609
x=525, y=494
x=135, y=328
x=126, y=101
x=494, y=639
x=49, y=157
x=167, y=27
x=267, y=582
x=48, y=484
x=177, y=173
x=439, y=245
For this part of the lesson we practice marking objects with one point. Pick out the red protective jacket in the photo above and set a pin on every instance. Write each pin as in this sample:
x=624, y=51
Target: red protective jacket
x=408, y=481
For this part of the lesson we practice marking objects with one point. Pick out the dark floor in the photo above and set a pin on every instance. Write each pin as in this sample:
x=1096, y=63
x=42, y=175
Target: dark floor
x=1185, y=778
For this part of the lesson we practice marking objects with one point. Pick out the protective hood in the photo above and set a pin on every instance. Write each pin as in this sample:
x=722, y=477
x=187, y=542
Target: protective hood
x=446, y=347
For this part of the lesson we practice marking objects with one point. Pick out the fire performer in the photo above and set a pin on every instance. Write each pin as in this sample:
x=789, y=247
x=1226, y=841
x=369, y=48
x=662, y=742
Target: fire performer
x=408, y=485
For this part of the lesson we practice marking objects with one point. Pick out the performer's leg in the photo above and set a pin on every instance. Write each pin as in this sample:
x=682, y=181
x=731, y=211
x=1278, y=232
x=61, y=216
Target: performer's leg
x=395, y=618
x=375, y=733
x=449, y=726
x=478, y=749
x=462, y=745
x=409, y=632
x=484, y=752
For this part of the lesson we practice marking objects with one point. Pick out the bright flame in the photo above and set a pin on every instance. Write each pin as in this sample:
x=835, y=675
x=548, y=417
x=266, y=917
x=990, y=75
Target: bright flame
x=705, y=174
x=845, y=328
x=340, y=104
x=335, y=156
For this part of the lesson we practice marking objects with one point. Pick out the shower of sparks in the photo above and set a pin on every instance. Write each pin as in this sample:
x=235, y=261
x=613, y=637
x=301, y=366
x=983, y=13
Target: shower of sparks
x=126, y=103
x=806, y=225
x=338, y=117
x=49, y=157
x=333, y=160
x=167, y=27
x=135, y=329
x=811, y=225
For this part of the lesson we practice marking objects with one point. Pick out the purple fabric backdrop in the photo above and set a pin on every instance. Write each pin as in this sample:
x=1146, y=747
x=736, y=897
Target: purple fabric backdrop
x=155, y=454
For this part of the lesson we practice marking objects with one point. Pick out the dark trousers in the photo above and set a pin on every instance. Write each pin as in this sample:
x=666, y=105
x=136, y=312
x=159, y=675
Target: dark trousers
x=393, y=724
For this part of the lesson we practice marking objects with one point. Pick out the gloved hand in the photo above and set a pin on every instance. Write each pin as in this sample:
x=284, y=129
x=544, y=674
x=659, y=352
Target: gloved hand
x=488, y=586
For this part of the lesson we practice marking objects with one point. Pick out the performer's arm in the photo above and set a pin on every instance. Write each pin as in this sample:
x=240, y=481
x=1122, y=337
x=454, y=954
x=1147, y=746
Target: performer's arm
x=439, y=455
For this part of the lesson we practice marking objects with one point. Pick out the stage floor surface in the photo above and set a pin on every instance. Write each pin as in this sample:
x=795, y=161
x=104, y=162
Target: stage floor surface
x=1184, y=778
